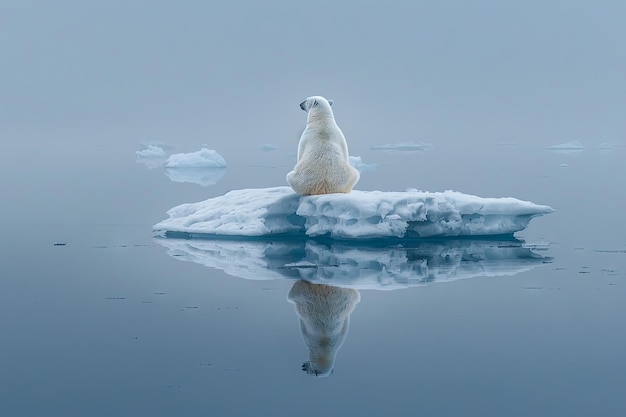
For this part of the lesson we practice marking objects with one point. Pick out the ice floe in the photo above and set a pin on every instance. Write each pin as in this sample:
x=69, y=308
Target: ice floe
x=204, y=167
x=382, y=266
x=152, y=156
x=204, y=158
x=268, y=212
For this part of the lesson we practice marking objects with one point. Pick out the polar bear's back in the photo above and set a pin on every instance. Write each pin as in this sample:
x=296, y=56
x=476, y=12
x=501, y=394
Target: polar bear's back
x=323, y=165
x=323, y=169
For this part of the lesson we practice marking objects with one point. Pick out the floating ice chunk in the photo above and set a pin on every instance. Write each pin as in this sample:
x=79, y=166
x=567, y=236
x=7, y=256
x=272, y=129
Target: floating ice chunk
x=357, y=215
x=203, y=158
x=574, y=146
x=402, y=146
x=359, y=266
x=152, y=156
x=358, y=163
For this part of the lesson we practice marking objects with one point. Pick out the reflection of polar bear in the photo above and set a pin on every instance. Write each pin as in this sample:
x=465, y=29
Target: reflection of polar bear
x=324, y=313
x=323, y=166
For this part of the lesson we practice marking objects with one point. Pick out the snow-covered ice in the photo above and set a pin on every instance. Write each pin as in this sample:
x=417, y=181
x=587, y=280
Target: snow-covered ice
x=203, y=158
x=346, y=264
x=274, y=211
x=357, y=162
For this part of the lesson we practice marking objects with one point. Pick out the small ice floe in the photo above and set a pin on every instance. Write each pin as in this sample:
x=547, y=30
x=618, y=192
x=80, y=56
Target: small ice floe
x=402, y=146
x=204, y=167
x=267, y=147
x=152, y=156
x=204, y=158
x=59, y=243
x=358, y=163
x=572, y=147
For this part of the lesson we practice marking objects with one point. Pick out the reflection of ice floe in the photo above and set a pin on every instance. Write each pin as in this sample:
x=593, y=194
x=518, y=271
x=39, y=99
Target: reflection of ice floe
x=206, y=158
x=152, y=156
x=402, y=146
x=384, y=266
x=358, y=163
x=572, y=147
x=201, y=176
x=357, y=215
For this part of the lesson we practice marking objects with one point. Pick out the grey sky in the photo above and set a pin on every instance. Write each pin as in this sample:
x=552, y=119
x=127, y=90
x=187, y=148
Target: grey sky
x=449, y=72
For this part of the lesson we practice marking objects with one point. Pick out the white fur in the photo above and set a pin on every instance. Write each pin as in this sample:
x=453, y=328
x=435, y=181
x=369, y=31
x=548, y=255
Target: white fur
x=324, y=313
x=323, y=165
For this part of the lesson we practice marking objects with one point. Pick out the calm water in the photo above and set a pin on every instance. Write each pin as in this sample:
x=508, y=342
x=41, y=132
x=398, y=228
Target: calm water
x=116, y=323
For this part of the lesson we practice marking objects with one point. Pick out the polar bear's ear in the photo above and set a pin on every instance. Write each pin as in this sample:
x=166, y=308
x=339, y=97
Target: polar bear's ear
x=330, y=102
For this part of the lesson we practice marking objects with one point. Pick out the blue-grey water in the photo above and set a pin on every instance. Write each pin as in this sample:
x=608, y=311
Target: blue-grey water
x=111, y=324
x=115, y=322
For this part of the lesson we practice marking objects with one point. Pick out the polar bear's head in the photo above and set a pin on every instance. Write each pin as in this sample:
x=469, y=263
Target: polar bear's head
x=316, y=102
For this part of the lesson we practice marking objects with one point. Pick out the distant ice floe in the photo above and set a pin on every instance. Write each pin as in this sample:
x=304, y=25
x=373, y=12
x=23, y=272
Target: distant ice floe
x=204, y=167
x=204, y=158
x=358, y=163
x=572, y=147
x=267, y=147
x=152, y=156
x=359, y=266
x=402, y=146
x=279, y=211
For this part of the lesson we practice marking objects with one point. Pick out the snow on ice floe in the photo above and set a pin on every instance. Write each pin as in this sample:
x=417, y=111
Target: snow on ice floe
x=275, y=211
x=350, y=265
x=402, y=146
x=361, y=166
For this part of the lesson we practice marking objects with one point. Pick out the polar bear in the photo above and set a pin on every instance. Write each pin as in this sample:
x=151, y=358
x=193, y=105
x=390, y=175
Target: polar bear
x=323, y=165
x=324, y=313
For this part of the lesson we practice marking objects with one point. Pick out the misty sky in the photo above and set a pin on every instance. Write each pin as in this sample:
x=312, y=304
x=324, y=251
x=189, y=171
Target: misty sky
x=541, y=72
